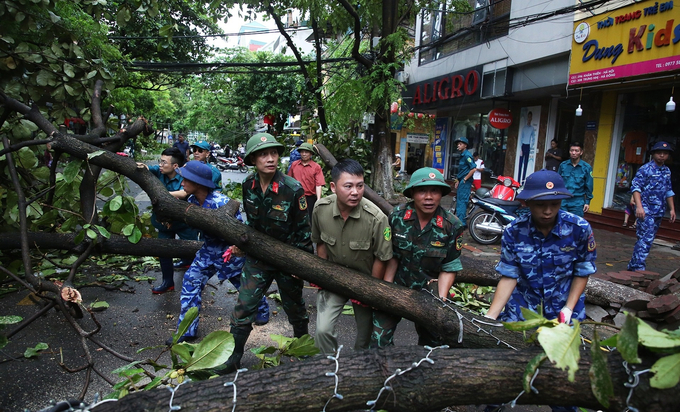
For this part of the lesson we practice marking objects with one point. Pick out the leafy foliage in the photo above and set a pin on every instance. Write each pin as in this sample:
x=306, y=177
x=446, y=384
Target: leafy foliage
x=292, y=347
x=561, y=345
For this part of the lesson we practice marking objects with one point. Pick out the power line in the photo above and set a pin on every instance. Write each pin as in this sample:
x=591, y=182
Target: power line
x=202, y=36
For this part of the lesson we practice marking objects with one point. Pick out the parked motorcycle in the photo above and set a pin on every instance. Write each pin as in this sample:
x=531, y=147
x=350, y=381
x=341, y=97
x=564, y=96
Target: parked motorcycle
x=225, y=163
x=494, y=211
x=490, y=217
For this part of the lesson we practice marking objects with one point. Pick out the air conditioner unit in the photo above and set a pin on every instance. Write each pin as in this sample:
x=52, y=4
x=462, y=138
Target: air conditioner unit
x=481, y=12
x=402, y=77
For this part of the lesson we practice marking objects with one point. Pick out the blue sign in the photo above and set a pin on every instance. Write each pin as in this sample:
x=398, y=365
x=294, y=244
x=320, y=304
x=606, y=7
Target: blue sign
x=439, y=145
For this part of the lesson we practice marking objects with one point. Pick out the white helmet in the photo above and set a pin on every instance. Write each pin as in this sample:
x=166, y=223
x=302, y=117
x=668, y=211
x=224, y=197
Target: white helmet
x=398, y=155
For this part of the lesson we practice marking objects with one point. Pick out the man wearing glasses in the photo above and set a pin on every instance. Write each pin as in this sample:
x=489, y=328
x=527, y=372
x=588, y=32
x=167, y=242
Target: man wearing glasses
x=166, y=170
x=201, y=152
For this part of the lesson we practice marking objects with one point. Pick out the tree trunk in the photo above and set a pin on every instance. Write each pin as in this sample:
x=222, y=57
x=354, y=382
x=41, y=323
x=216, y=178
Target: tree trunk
x=460, y=377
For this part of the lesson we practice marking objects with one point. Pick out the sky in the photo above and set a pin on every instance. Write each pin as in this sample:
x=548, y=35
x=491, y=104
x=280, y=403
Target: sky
x=234, y=24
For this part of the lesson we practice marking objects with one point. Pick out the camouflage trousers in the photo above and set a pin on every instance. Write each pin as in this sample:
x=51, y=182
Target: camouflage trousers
x=645, y=231
x=195, y=279
x=255, y=281
x=385, y=324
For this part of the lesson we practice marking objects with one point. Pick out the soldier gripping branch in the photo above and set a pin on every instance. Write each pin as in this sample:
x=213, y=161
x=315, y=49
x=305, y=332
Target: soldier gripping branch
x=275, y=204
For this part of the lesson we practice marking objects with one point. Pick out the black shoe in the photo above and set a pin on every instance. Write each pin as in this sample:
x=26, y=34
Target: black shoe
x=182, y=265
x=230, y=366
x=164, y=287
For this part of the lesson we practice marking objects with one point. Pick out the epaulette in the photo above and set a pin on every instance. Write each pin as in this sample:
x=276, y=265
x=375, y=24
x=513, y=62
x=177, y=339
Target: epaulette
x=371, y=208
x=324, y=201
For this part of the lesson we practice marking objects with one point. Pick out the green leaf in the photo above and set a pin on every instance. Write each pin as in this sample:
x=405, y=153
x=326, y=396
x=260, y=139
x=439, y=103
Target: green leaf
x=31, y=352
x=102, y=231
x=302, y=346
x=627, y=340
x=3, y=341
x=106, y=191
x=530, y=370
x=136, y=235
x=183, y=350
x=79, y=237
x=123, y=368
x=123, y=16
x=600, y=381
x=611, y=341
x=99, y=305
x=71, y=170
x=213, y=351
x=95, y=154
x=68, y=70
x=115, y=204
x=183, y=327
x=91, y=234
x=10, y=320
x=561, y=343
x=264, y=350
x=666, y=372
x=154, y=383
x=652, y=338
x=127, y=230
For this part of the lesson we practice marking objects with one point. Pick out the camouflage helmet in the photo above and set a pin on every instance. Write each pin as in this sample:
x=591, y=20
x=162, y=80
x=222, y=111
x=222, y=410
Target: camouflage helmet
x=427, y=176
x=261, y=141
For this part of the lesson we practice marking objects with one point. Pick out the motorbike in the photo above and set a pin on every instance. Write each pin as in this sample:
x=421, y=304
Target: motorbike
x=493, y=211
x=225, y=163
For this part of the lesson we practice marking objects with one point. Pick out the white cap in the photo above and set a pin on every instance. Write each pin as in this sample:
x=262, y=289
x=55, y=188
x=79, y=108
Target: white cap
x=398, y=155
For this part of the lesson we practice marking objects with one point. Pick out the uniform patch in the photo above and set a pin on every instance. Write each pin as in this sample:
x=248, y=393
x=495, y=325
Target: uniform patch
x=459, y=242
x=408, y=214
x=567, y=249
x=440, y=222
x=432, y=175
x=303, y=203
x=469, y=159
x=549, y=185
x=263, y=139
x=277, y=207
x=437, y=244
x=387, y=233
x=591, y=243
x=275, y=187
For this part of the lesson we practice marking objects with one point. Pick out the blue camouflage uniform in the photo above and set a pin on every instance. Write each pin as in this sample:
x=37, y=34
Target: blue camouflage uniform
x=466, y=164
x=209, y=261
x=579, y=181
x=544, y=266
x=178, y=228
x=654, y=184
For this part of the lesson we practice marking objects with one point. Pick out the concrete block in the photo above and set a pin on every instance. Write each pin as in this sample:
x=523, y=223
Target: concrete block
x=621, y=278
x=673, y=317
x=636, y=304
x=619, y=319
x=649, y=274
x=636, y=276
x=663, y=304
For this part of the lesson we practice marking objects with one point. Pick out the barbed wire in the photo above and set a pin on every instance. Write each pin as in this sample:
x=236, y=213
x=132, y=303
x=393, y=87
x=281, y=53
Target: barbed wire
x=335, y=376
x=633, y=382
x=233, y=385
x=473, y=321
x=399, y=372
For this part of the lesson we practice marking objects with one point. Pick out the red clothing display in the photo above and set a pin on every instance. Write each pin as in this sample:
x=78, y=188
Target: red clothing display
x=310, y=175
x=634, y=146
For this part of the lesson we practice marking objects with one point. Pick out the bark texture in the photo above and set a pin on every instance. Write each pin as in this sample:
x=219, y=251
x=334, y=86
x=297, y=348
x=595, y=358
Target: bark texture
x=460, y=377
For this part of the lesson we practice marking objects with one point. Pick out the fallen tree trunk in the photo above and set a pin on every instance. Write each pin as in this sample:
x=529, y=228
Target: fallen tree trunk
x=460, y=377
x=478, y=271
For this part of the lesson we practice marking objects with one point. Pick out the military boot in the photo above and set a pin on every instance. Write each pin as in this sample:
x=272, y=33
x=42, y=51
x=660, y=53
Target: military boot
x=234, y=361
x=300, y=329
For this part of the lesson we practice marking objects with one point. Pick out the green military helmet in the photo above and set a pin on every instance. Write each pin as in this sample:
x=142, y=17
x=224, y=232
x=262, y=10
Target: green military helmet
x=261, y=141
x=308, y=147
x=427, y=176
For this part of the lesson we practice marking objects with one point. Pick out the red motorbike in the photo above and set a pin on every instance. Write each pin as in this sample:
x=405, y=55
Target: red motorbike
x=226, y=163
x=505, y=189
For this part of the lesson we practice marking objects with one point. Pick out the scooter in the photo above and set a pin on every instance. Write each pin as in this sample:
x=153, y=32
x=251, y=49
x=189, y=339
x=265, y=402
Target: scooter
x=490, y=217
x=225, y=163
x=492, y=212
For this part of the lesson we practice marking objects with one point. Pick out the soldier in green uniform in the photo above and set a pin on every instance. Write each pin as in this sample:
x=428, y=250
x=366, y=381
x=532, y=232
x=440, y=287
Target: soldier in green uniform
x=351, y=231
x=426, y=241
x=275, y=205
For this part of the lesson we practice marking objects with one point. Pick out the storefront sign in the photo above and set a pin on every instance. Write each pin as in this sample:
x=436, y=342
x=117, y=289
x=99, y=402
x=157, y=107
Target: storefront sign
x=591, y=125
x=439, y=145
x=635, y=40
x=500, y=118
x=453, y=88
x=417, y=138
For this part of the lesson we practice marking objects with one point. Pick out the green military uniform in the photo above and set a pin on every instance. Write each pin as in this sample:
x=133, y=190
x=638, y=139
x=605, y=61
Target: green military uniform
x=354, y=243
x=422, y=255
x=280, y=212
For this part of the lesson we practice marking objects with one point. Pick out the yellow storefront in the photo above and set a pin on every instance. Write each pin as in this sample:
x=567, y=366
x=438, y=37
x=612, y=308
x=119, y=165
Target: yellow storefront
x=629, y=58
